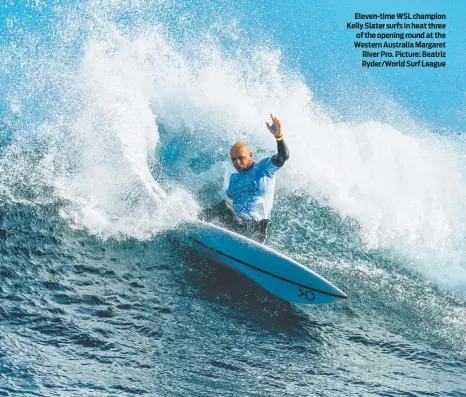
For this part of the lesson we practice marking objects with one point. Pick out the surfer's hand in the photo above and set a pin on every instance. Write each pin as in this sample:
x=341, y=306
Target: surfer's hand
x=276, y=127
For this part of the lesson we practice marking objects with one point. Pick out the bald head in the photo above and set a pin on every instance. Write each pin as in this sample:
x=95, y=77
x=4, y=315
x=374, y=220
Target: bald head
x=241, y=156
x=239, y=146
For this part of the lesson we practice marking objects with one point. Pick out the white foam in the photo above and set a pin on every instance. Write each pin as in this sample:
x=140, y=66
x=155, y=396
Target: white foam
x=404, y=187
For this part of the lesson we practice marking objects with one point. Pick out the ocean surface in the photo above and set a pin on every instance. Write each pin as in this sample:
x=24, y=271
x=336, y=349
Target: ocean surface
x=115, y=128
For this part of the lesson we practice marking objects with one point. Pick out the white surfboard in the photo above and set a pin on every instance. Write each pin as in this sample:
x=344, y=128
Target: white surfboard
x=275, y=272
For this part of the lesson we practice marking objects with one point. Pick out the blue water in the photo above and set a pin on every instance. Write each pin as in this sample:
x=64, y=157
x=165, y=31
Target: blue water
x=116, y=121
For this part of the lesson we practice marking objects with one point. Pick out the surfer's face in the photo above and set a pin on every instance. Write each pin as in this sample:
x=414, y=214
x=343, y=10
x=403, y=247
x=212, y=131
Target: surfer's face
x=241, y=156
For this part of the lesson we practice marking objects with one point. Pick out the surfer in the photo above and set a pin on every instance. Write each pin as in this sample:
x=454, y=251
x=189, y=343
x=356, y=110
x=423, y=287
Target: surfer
x=251, y=190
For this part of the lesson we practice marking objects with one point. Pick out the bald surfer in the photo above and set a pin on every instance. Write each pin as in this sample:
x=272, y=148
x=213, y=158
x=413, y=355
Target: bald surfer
x=251, y=189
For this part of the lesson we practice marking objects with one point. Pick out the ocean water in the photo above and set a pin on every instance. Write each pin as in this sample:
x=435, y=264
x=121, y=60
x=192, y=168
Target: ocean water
x=116, y=122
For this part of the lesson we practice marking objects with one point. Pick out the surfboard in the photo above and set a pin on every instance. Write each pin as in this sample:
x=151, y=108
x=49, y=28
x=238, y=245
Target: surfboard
x=278, y=274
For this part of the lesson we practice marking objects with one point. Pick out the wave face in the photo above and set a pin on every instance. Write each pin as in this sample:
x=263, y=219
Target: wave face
x=115, y=128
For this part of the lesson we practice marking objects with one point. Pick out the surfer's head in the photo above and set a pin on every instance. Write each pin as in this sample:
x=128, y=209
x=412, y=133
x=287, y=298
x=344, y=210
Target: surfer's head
x=241, y=156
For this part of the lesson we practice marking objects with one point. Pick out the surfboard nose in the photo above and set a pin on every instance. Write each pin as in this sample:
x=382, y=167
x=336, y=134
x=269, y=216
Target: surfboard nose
x=339, y=292
x=342, y=295
x=329, y=294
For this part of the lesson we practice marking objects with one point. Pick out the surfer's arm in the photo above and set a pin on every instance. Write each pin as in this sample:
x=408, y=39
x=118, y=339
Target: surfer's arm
x=283, y=153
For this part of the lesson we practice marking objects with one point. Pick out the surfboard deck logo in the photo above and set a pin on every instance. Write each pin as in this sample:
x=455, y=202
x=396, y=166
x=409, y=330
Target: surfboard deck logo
x=309, y=295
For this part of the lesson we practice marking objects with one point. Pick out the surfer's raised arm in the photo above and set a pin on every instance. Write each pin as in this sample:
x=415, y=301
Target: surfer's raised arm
x=283, y=153
x=251, y=189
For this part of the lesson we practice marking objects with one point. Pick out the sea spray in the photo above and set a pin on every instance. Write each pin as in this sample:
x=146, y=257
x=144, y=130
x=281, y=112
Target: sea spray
x=114, y=105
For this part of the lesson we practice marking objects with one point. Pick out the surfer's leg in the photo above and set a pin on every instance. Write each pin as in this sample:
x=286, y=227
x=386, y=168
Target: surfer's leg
x=223, y=214
x=263, y=229
x=257, y=230
x=217, y=211
x=231, y=221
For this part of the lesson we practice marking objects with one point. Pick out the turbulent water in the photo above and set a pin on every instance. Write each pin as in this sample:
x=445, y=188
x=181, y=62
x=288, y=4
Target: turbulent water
x=116, y=120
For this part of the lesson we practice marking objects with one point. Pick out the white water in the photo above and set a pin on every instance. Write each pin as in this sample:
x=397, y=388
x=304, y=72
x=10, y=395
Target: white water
x=403, y=186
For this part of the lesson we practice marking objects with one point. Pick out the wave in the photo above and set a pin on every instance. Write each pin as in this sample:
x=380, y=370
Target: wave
x=127, y=125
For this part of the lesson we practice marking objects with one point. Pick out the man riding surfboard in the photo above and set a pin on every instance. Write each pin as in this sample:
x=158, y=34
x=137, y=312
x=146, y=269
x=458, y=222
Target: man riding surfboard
x=251, y=189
